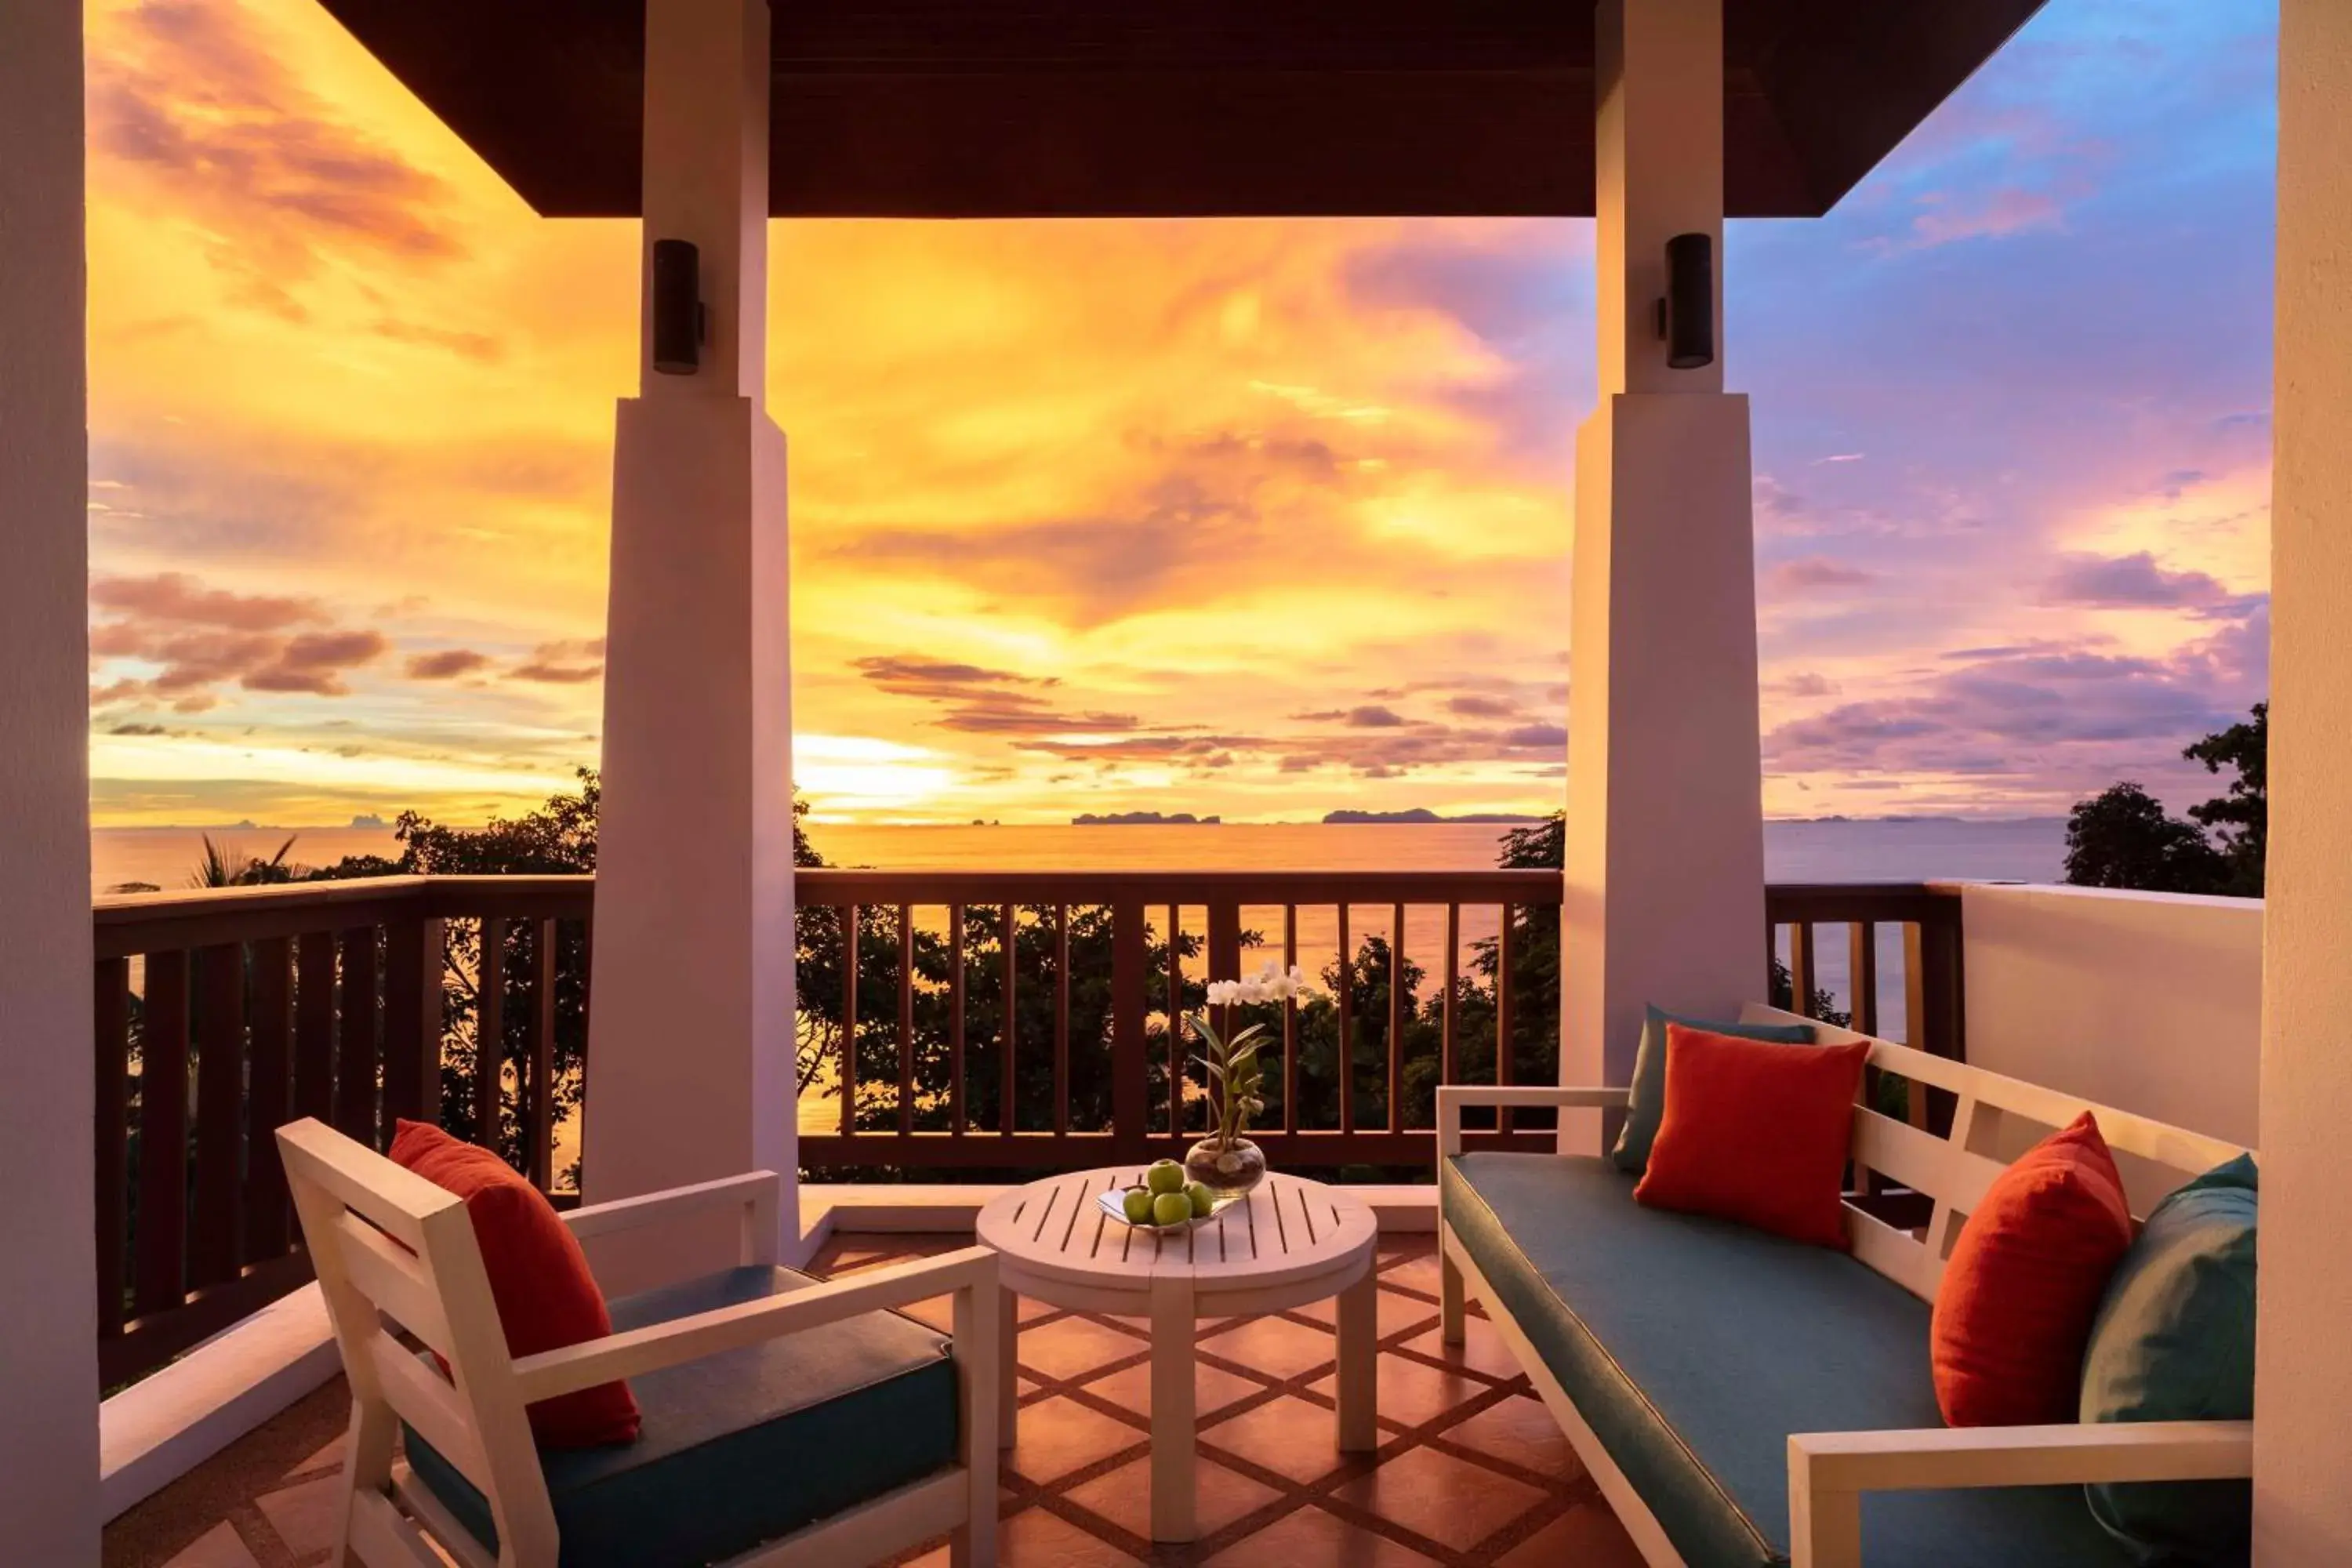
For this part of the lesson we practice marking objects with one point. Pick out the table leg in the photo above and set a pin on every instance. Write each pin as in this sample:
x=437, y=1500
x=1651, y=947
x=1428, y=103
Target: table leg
x=1172, y=1408
x=1359, y=1372
x=1008, y=1339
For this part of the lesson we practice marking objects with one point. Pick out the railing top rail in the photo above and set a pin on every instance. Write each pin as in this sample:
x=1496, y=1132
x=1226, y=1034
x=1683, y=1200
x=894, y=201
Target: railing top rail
x=1830, y=902
x=128, y=923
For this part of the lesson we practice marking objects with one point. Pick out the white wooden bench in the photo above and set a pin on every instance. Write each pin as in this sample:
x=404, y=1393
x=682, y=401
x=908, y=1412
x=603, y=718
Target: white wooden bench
x=1996, y=1118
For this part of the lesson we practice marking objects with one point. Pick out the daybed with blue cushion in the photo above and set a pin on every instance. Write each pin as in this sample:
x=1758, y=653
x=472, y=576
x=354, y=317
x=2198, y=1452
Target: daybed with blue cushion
x=785, y=1421
x=1745, y=1401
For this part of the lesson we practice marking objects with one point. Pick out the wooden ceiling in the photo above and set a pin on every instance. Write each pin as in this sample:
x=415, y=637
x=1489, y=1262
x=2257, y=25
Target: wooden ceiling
x=1181, y=107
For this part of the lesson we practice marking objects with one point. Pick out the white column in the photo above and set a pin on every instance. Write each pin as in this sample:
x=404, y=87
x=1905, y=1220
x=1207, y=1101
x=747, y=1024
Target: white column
x=1664, y=891
x=48, y=1330
x=2303, y=1380
x=690, y=1048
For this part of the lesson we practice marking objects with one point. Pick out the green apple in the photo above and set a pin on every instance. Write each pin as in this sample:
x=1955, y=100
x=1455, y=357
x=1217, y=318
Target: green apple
x=1137, y=1204
x=1170, y=1208
x=1166, y=1176
x=1202, y=1199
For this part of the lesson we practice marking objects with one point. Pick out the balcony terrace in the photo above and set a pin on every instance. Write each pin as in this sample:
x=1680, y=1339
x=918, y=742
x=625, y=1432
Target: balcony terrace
x=648, y=1025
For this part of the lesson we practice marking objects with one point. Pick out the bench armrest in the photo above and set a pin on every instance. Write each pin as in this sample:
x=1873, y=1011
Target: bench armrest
x=1452, y=1097
x=1829, y=1471
x=969, y=1273
x=755, y=1194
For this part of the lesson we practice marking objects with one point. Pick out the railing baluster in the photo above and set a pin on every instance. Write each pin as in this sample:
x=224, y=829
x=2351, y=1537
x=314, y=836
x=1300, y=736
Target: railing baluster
x=220, y=1112
x=489, y=1030
x=958, y=1118
x=1011, y=939
x=314, y=1025
x=1800, y=968
x=1062, y=1018
x=1447, y=1068
x=413, y=955
x=540, y=1146
x=1861, y=968
x=163, y=1135
x=850, y=956
x=268, y=1097
x=1346, y=1064
x=1290, y=1123
x=1396, y=1021
x=356, y=1064
x=1130, y=956
x=111, y=997
x=906, y=1018
x=1505, y=1040
x=1175, y=1023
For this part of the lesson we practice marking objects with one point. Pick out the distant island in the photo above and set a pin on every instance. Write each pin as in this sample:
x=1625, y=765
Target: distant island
x=368, y=819
x=1421, y=815
x=1144, y=819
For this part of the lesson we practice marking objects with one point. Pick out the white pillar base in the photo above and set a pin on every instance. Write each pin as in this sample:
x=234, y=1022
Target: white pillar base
x=690, y=1052
x=1664, y=876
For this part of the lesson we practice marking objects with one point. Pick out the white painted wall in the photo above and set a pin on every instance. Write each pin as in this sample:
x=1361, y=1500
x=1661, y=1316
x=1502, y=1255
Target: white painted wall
x=2150, y=1002
x=2303, y=1388
x=1664, y=875
x=48, y=1311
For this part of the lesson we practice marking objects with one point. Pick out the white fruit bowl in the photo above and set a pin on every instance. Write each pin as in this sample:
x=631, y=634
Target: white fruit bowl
x=1109, y=1203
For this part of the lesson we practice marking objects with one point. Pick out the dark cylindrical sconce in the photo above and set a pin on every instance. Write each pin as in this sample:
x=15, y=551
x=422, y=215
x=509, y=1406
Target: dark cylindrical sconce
x=677, y=306
x=1689, y=326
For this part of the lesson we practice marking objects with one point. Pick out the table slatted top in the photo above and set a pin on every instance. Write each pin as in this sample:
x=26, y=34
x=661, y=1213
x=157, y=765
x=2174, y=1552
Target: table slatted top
x=1287, y=1228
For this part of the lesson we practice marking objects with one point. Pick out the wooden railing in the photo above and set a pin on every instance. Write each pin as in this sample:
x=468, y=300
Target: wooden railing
x=1090, y=967
x=221, y=1014
x=1917, y=925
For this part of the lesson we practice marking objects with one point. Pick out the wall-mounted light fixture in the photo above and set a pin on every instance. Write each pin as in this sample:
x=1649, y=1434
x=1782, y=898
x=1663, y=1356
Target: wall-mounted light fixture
x=680, y=322
x=1687, y=315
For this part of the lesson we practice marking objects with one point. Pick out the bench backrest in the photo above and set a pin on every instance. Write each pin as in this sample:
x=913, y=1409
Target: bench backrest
x=1994, y=1119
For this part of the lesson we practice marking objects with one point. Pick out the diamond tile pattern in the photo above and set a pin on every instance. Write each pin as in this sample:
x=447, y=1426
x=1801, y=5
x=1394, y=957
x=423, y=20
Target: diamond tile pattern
x=1471, y=1471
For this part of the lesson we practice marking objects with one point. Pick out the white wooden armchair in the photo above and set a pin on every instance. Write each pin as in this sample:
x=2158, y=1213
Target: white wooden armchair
x=394, y=1252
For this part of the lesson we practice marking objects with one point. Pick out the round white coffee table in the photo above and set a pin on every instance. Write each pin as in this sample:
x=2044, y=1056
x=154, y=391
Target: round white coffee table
x=1290, y=1242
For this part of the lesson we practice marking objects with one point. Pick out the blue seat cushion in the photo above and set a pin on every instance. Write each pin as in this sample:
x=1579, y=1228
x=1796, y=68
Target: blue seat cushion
x=1693, y=1347
x=741, y=1448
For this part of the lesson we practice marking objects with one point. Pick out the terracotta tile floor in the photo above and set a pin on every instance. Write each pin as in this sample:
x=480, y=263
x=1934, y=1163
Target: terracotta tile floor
x=1472, y=1470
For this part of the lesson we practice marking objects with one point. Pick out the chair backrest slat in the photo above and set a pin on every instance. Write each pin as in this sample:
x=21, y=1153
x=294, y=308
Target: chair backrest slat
x=393, y=1279
x=430, y=1404
x=1997, y=1118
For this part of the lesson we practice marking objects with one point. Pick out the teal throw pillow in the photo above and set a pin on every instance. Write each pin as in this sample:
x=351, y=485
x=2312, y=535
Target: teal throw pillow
x=2174, y=1340
x=1647, y=1107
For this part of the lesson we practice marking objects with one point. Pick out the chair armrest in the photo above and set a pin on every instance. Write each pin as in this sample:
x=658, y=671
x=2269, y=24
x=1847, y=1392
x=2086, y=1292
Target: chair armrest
x=755, y=1196
x=660, y=1208
x=724, y=1329
x=1829, y=1471
x=1452, y=1097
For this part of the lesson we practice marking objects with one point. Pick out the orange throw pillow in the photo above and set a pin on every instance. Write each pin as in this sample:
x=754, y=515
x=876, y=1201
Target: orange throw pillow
x=547, y=1298
x=1756, y=1132
x=2024, y=1281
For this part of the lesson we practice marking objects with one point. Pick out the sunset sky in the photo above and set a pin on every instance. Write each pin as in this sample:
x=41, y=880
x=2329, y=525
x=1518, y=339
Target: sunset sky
x=1255, y=517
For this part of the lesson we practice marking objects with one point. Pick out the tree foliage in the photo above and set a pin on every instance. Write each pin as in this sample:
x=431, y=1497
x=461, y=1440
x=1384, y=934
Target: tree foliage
x=2123, y=838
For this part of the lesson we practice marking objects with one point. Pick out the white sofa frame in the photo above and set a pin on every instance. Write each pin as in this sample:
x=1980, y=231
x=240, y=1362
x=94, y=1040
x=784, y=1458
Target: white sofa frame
x=393, y=1251
x=1829, y=1473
